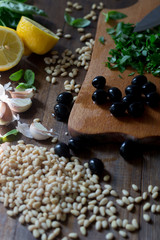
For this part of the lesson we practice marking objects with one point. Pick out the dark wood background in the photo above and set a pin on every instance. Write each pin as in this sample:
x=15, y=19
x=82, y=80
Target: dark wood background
x=142, y=172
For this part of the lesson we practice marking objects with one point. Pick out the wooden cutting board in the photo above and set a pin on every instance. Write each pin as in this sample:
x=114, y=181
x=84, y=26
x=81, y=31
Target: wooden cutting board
x=89, y=119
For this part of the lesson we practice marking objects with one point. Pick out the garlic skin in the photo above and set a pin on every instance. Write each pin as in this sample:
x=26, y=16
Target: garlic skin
x=28, y=93
x=39, y=132
x=6, y=115
x=19, y=104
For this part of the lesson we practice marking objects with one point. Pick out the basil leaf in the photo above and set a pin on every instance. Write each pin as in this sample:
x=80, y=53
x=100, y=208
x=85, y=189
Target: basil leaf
x=2, y=23
x=21, y=8
x=78, y=22
x=23, y=86
x=9, y=136
x=114, y=15
x=29, y=77
x=81, y=23
x=17, y=75
x=68, y=19
x=101, y=39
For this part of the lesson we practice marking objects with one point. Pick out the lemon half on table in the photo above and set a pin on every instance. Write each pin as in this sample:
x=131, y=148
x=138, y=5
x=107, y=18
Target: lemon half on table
x=11, y=48
x=36, y=38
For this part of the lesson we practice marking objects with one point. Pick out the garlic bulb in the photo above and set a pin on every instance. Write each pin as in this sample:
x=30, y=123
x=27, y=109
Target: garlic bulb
x=39, y=132
x=6, y=115
x=28, y=93
x=19, y=104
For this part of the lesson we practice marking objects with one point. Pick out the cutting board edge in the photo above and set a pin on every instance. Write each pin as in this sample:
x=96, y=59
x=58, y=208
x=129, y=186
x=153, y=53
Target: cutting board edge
x=113, y=137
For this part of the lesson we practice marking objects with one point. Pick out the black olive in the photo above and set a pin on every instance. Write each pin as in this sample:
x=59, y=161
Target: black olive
x=152, y=99
x=65, y=98
x=139, y=80
x=96, y=166
x=62, y=150
x=118, y=109
x=114, y=94
x=136, y=109
x=133, y=89
x=129, y=98
x=148, y=88
x=61, y=112
x=131, y=149
x=100, y=96
x=99, y=82
x=77, y=144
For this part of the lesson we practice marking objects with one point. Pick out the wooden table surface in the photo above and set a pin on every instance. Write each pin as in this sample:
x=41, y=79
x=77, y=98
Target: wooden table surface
x=142, y=172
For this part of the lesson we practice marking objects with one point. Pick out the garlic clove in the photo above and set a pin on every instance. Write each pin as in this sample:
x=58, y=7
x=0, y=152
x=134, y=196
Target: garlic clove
x=39, y=132
x=24, y=129
x=6, y=115
x=28, y=93
x=19, y=104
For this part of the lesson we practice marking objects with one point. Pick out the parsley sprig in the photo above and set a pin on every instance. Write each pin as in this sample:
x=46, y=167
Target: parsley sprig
x=141, y=51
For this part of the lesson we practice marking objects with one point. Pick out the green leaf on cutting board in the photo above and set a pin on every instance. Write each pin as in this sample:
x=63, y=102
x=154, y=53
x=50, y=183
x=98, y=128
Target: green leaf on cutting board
x=114, y=15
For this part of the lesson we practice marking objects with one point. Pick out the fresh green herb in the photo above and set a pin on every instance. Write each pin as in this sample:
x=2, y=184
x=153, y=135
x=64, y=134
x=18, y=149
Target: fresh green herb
x=29, y=77
x=131, y=74
x=114, y=15
x=12, y=10
x=141, y=51
x=17, y=75
x=101, y=39
x=9, y=136
x=120, y=76
x=78, y=22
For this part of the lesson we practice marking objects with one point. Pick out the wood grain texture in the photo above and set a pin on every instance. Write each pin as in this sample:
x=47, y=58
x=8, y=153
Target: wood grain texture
x=97, y=119
x=142, y=172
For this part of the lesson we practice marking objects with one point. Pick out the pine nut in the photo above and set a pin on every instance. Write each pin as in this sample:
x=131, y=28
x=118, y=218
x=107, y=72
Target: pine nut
x=146, y=217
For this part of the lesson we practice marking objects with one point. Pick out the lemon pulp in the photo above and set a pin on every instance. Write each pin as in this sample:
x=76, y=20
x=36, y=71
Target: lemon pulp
x=11, y=48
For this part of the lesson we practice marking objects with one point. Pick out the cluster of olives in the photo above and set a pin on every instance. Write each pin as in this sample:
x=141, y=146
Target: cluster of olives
x=63, y=107
x=139, y=93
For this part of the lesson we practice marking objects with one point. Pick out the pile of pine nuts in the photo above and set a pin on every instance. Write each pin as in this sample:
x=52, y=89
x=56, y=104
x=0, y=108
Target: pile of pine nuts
x=45, y=189
x=58, y=66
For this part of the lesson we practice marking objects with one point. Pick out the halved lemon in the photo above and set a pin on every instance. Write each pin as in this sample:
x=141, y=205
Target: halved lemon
x=36, y=37
x=11, y=48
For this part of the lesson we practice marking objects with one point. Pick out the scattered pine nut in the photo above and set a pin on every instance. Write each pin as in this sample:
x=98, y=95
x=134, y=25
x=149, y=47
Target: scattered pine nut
x=122, y=233
x=146, y=206
x=135, y=187
x=109, y=236
x=146, y=217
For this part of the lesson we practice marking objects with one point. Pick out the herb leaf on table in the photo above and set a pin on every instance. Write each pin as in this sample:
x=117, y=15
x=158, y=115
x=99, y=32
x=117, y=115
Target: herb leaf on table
x=76, y=22
x=12, y=10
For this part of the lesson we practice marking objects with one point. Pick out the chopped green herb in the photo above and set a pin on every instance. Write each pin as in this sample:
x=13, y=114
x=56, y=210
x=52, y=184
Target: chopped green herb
x=120, y=76
x=114, y=15
x=16, y=76
x=101, y=39
x=141, y=51
x=12, y=10
x=78, y=22
x=9, y=136
x=131, y=74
